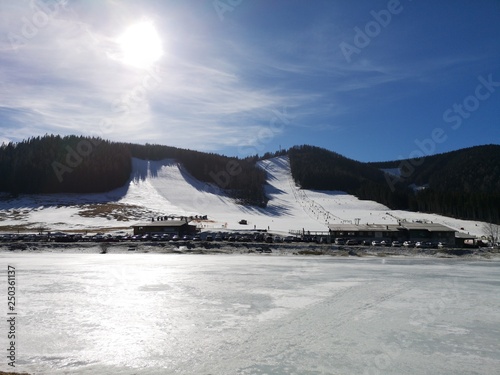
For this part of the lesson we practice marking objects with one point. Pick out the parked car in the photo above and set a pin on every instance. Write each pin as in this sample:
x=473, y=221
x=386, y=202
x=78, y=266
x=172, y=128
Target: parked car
x=408, y=244
x=339, y=241
x=424, y=245
x=243, y=238
x=166, y=237
x=258, y=237
x=376, y=243
x=396, y=244
x=352, y=242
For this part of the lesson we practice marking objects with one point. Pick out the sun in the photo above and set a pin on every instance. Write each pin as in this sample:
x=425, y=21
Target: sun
x=140, y=45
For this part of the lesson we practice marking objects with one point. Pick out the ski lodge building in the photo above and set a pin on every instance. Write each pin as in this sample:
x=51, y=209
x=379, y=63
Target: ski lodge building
x=404, y=231
x=173, y=226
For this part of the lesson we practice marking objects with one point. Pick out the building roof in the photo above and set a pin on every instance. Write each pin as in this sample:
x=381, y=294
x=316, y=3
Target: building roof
x=431, y=227
x=165, y=223
x=361, y=227
x=465, y=236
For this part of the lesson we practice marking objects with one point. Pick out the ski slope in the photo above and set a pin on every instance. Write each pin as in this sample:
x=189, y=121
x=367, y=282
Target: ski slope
x=166, y=188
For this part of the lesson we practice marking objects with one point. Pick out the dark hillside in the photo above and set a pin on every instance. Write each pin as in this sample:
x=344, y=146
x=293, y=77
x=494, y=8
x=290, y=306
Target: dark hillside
x=474, y=169
x=320, y=169
x=75, y=164
x=54, y=164
x=462, y=184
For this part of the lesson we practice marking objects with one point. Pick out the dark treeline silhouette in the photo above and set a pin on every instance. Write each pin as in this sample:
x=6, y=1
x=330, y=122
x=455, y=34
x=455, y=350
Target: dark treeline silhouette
x=320, y=169
x=472, y=170
x=462, y=184
x=55, y=164
x=76, y=164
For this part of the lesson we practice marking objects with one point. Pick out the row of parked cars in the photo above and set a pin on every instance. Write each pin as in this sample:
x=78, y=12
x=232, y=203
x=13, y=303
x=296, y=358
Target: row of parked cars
x=388, y=243
x=155, y=237
x=209, y=236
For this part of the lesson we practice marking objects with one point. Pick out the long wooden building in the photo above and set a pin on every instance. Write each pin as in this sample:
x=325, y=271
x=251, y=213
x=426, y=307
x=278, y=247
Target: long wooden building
x=404, y=231
x=179, y=227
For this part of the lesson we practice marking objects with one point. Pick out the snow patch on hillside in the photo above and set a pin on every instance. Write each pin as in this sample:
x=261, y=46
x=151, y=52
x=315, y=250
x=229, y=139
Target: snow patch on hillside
x=165, y=188
x=392, y=171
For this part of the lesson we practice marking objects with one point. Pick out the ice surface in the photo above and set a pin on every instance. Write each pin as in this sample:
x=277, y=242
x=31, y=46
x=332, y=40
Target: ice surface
x=237, y=314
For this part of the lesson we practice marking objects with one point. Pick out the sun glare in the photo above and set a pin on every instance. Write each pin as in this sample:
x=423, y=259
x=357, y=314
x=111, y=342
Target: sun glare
x=140, y=45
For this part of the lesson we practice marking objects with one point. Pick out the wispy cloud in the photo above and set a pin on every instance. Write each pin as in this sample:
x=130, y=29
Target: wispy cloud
x=216, y=85
x=63, y=81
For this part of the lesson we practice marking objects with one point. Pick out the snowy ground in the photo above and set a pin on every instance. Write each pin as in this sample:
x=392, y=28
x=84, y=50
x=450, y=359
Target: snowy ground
x=235, y=314
x=165, y=187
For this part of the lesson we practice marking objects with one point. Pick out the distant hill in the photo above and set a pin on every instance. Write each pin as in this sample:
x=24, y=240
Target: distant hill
x=471, y=170
x=241, y=178
x=320, y=169
x=462, y=184
x=54, y=164
x=76, y=164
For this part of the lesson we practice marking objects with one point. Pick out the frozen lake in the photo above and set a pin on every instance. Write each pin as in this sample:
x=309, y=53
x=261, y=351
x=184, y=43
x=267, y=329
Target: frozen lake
x=238, y=314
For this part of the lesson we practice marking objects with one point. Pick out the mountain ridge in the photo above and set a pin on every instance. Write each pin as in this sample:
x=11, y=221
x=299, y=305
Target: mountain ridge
x=89, y=165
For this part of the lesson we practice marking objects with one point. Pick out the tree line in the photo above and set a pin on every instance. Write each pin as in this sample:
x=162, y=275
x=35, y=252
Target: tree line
x=55, y=164
x=463, y=184
x=77, y=164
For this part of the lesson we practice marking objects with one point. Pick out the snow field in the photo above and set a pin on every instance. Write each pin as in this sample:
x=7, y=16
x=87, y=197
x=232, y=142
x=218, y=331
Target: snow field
x=165, y=187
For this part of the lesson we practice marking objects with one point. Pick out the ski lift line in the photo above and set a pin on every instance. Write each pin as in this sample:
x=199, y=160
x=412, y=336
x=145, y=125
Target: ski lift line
x=394, y=216
x=311, y=212
x=295, y=192
x=326, y=212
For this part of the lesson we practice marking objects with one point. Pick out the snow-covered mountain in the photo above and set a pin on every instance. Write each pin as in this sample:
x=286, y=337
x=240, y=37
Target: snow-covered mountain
x=166, y=188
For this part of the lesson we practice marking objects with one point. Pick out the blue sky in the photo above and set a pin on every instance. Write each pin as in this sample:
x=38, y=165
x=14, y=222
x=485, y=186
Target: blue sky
x=372, y=80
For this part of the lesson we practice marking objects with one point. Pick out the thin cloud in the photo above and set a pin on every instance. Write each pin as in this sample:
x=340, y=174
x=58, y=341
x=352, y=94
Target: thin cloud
x=217, y=84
